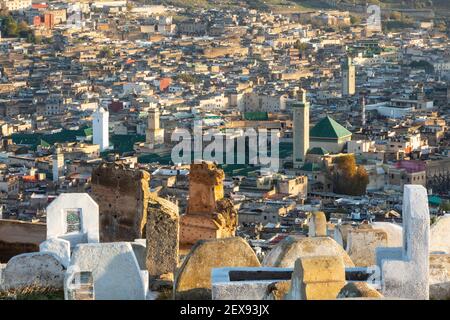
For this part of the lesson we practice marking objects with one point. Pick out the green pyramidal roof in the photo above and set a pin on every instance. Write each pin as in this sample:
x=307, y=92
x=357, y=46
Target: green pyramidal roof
x=318, y=150
x=328, y=128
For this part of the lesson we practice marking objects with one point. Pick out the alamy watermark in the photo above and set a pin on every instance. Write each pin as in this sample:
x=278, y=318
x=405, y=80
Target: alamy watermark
x=374, y=19
x=230, y=146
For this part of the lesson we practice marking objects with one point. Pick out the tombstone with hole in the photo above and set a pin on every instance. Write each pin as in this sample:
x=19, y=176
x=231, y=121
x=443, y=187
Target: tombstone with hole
x=405, y=271
x=73, y=217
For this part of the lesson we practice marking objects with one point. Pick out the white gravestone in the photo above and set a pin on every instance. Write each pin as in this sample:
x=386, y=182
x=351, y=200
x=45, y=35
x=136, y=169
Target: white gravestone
x=114, y=268
x=59, y=247
x=74, y=217
x=30, y=270
x=409, y=277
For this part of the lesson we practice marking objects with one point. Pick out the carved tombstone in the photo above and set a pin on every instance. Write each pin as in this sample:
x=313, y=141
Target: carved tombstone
x=73, y=217
x=193, y=278
x=408, y=277
x=209, y=215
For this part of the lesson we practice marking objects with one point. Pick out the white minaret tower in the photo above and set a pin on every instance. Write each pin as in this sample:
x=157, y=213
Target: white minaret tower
x=57, y=165
x=301, y=129
x=100, y=123
x=348, y=77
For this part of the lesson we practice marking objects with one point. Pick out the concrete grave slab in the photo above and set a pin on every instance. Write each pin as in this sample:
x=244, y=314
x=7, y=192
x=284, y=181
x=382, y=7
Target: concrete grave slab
x=36, y=269
x=59, y=247
x=115, y=270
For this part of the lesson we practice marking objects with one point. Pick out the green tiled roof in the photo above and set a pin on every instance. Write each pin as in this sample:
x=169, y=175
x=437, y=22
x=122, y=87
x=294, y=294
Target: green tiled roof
x=45, y=144
x=256, y=116
x=310, y=167
x=318, y=150
x=434, y=200
x=35, y=139
x=125, y=142
x=329, y=128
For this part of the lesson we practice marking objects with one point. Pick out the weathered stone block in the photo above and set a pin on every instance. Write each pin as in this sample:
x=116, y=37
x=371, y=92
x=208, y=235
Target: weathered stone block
x=193, y=278
x=340, y=234
x=317, y=224
x=440, y=235
x=122, y=196
x=394, y=232
x=317, y=278
x=278, y=290
x=205, y=187
x=59, y=247
x=359, y=290
x=440, y=277
x=162, y=237
x=37, y=269
x=209, y=215
x=285, y=253
x=362, y=243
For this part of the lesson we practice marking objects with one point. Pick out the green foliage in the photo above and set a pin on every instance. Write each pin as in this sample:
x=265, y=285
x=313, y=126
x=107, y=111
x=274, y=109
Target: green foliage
x=445, y=206
x=355, y=19
x=348, y=178
x=187, y=77
x=106, y=52
x=31, y=38
x=10, y=28
x=301, y=46
x=433, y=220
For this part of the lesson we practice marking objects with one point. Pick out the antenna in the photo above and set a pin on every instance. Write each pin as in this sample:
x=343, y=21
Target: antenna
x=363, y=111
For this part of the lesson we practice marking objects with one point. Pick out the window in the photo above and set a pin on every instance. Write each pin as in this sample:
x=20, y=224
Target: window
x=73, y=220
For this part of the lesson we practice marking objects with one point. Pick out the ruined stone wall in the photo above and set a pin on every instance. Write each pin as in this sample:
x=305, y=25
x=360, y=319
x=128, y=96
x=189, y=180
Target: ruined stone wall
x=122, y=196
x=209, y=214
x=17, y=237
x=162, y=237
x=205, y=188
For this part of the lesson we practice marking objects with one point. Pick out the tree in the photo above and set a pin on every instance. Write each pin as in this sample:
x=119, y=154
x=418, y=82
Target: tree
x=22, y=29
x=31, y=38
x=348, y=178
x=187, y=77
x=395, y=15
x=355, y=19
x=445, y=206
x=106, y=52
x=301, y=46
x=9, y=27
